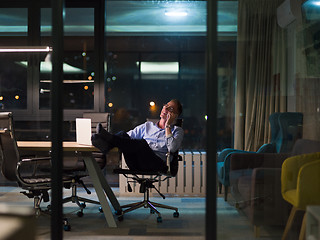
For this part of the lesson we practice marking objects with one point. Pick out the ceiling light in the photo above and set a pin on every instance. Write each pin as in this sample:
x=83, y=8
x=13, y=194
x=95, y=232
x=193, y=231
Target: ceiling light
x=176, y=13
x=316, y=3
x=159, y=67
x=46, y=67
x=69, y=81
x=15, y=49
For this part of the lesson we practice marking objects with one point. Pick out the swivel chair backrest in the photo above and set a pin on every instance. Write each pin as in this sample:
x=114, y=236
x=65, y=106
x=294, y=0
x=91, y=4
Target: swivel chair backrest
x=6, y=121
x=175, y=155
x=105, y=119
x=8, y=148
x=179, y=122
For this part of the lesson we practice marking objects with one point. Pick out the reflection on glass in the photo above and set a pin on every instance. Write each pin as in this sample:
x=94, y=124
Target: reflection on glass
x=276, y=120
x=79, y=63
x=13, y=77
x=13, y=81
x=14, y=22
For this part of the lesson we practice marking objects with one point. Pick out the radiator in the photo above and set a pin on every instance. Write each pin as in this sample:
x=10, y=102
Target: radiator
x=190, y=179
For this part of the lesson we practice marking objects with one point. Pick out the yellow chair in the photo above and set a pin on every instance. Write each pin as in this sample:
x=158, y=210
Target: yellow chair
x=300, y=184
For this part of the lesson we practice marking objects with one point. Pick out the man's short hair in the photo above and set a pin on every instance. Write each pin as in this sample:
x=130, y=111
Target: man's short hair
x=177, y=102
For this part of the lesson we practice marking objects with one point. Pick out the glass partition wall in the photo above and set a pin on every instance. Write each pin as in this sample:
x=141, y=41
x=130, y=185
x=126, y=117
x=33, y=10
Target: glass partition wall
x=79, y=60
x=276, y=72
x=145, y=54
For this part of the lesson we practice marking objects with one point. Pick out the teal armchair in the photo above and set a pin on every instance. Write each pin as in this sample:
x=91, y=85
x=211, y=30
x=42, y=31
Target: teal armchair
x=286, y=128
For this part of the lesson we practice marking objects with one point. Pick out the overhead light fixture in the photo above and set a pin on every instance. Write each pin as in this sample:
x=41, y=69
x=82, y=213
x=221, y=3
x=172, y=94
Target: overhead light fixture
x=32, y=49
x=46, y=67
x=316, y=3
x=176, y=13
x=69, y=81
x=159, y=67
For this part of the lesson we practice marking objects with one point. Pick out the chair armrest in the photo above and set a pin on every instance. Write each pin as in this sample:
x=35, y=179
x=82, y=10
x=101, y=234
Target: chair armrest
x=225, y=152
x=291, y=168
x=255, y=160
x=34, y=171
x=35, y=160
x=44, y=162
x=308, y=194
x=173, y=171
x=35, y=165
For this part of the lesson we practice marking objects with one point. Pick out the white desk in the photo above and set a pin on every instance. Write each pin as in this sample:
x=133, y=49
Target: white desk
x=100, y=183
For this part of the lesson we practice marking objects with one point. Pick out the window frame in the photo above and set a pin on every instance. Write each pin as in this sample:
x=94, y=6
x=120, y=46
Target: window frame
x=33, y=70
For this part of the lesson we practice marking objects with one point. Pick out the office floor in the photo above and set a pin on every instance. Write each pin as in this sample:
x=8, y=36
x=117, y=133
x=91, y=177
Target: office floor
x=140, y=224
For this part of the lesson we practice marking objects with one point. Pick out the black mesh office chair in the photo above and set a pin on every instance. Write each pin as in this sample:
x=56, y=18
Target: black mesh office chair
x=31, y=174
x=34, y=174
x=75, y=166
x=147, y=181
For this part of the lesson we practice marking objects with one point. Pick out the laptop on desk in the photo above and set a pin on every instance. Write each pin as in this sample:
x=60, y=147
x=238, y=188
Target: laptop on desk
x=83, y=131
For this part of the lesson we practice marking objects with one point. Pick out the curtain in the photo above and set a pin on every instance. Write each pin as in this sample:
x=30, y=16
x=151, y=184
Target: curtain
x=261, y=67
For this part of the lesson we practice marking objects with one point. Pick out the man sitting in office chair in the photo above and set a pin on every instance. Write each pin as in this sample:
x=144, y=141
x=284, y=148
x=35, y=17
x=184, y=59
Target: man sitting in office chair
x=145, y=147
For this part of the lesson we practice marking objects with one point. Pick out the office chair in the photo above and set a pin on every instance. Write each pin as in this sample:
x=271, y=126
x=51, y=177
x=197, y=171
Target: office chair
x=147, y=180
x=76, y=171
x=31, y=174
x=34, y=174
x=105, y=119
x=77, y=168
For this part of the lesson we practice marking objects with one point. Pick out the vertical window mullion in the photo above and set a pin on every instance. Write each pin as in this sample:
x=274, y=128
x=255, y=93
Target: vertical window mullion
x=34, y=59
x=99, y=53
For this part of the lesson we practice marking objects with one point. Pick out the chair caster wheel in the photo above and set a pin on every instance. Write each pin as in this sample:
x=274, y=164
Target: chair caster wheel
x=83, y=205
x=66, y=225
x=120, y=218
x=100, y=209
x=176, y=214
x=67, y=228
x=118, y=212
x=159, y=219
x=37, y=213
x=79, y=214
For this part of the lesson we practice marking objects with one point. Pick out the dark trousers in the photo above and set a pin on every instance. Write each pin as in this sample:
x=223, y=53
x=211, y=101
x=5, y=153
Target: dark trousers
x=137, y=153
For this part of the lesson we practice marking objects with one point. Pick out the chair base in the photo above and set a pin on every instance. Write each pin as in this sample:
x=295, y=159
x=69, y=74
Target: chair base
x=37, y=209
x=38, y=196
x=42, y=196
x=148, y=204
x=145, y=185
x=74, y=198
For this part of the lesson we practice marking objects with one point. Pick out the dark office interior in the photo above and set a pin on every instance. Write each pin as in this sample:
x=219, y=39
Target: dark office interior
x=246, y=73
